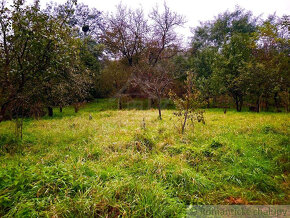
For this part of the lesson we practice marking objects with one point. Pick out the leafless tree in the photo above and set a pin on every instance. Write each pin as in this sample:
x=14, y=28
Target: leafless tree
x=144, y=45
x=125, y=33
x=163, y=34
x=153, y=80
x=153, y=76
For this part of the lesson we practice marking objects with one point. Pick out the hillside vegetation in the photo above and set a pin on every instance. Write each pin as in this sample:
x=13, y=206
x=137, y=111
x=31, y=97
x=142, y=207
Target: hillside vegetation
x=106, y=162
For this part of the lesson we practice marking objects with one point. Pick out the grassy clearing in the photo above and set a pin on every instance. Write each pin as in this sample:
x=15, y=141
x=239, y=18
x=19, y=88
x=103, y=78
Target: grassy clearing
x=71, y=166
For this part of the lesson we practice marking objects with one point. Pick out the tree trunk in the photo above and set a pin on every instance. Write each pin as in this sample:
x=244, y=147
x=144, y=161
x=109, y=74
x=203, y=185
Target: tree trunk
x=2, y=112
x=214, y=101
x=76, y=108
x=159, y=108
x=130, y=62
x=184, y=123
x=276, y=101
x=267, y=104
x=152, y=102
x=50, y=111
x=60, y=109
x=259, y=104
x=237, y=103
x=208, y=103
x=119, y=103
x=286, y=101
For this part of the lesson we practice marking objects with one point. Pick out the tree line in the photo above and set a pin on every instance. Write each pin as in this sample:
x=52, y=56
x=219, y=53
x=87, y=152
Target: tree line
x=66, y=54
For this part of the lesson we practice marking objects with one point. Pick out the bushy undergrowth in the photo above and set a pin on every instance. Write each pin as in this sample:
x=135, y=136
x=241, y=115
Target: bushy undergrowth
x=73, y=166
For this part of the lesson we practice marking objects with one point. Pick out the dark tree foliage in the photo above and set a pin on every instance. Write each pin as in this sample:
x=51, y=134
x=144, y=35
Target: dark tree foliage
x=238, y=55
x=39, y=59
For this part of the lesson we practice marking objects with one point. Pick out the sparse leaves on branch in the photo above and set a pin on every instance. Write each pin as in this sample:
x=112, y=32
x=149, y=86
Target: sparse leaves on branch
x=188, y=105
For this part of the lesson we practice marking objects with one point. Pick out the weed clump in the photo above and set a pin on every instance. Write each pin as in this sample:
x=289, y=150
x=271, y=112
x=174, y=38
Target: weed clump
x=9, y=144
x=94, y=155
x=175, y=150
x=269, y=129
x=143, y=142
x=215, y=144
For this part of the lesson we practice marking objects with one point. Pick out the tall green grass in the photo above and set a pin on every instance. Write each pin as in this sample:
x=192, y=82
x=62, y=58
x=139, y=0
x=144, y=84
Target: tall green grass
x=71, y=166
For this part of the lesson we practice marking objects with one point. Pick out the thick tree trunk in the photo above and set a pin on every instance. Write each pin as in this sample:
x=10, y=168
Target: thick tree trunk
x=60, y=109
x=237, y=103
x=130, y=62
x=259, y=104
x=77, y=107
x=50, y=111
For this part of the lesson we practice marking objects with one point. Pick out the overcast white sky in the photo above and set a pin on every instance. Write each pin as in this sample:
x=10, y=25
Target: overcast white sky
x=194, y=10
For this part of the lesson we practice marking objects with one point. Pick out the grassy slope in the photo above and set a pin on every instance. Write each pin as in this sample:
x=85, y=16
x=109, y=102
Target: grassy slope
x=72, y=166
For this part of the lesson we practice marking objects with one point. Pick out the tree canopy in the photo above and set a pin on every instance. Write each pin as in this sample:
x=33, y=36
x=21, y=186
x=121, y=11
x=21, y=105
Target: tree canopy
x=70, y=53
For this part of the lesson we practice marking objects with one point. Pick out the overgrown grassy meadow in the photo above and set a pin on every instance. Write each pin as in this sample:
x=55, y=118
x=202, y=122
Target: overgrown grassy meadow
x=110, y=165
